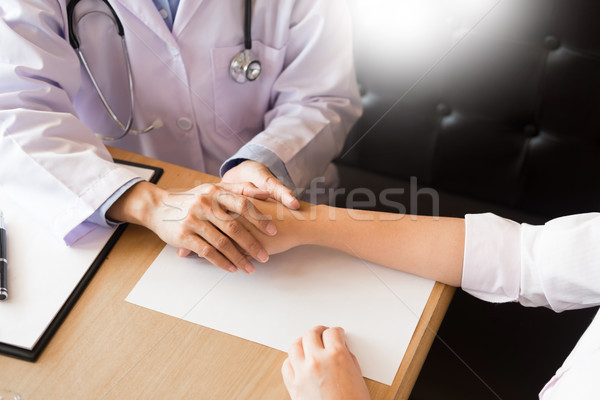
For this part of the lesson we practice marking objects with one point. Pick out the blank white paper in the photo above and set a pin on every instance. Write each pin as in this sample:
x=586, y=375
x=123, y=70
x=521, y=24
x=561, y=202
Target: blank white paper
x=378, y=307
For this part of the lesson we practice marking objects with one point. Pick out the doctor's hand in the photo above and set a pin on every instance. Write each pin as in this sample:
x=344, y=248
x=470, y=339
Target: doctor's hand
x=203, y=220
x=258, y=174
x=320, y=366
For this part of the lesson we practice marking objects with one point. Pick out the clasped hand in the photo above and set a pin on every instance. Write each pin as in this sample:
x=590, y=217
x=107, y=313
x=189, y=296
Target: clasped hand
x=218, y=222
x=204, y=220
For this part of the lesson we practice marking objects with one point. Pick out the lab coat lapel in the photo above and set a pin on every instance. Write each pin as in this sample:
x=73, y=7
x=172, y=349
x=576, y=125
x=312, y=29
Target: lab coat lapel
x=147, y=13
x=185, y=13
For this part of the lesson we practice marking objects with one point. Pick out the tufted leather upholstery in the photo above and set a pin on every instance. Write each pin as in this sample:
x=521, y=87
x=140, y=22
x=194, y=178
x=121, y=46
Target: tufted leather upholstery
x=496, y=100
x=495, y=103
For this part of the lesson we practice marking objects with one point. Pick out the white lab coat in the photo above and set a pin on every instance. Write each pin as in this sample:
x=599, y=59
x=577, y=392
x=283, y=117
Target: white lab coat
x=300, y=108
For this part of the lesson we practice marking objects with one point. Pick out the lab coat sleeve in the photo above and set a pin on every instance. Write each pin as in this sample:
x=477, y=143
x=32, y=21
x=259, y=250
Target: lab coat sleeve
x=99, y=216
x=555, y=265
x=50, y=162
x=265, y=157
x=315, y=97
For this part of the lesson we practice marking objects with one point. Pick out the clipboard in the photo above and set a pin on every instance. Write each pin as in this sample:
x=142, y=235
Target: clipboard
x=94, y=249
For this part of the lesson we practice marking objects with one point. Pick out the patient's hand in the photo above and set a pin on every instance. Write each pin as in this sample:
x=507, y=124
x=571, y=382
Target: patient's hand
x=320, y=366
x=294, y=227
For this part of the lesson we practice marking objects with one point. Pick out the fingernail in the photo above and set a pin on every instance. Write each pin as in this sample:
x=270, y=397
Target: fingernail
x=271, y=228
x=295, y=204
x=250, y=268
x=262, y=256
x=232, y=268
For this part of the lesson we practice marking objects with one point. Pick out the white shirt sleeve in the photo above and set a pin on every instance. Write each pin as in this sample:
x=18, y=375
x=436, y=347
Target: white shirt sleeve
x=556, y=265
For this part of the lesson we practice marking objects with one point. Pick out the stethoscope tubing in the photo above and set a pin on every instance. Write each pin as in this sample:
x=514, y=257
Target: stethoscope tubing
x=126, y=128
x=248, y=25
x=74, y=40
x=243, y=68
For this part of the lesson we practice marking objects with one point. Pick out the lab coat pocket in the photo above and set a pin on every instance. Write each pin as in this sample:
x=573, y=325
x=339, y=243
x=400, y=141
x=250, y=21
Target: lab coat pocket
x=239, y=108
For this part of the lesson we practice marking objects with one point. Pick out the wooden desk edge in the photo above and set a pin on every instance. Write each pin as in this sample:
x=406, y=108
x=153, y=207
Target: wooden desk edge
x=422, y=339
x=176, y=175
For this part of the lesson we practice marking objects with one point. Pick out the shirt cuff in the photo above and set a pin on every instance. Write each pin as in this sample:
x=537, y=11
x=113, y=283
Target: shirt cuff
x=264, y=156
x=492, y=263
x=78, y=232
x=99, y=216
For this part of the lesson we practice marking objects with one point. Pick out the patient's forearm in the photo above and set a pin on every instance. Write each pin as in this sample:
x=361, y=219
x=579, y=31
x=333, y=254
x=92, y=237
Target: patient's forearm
x=421, y=245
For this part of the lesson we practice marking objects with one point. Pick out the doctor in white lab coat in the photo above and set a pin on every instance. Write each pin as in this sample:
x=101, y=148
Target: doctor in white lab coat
x=282, y=129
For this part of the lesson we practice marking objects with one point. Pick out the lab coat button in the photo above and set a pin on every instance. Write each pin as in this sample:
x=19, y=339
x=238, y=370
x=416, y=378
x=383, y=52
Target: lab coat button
x=164, y=13
x=173, y=50
x=185, y=123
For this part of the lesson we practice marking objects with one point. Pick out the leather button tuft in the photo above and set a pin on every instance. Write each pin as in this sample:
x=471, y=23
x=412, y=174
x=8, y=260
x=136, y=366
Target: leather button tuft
x=530, y=130
x=551, y=42
x=443, y=109
x=361, y=89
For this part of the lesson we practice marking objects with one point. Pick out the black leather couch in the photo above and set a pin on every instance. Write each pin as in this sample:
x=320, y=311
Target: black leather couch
x=494, y=104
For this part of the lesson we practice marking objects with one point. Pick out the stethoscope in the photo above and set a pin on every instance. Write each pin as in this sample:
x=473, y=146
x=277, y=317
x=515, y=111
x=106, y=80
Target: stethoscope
x=243, y=67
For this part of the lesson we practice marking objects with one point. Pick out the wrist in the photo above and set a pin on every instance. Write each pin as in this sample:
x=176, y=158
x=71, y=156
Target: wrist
x=136, y=204
x=311, y=224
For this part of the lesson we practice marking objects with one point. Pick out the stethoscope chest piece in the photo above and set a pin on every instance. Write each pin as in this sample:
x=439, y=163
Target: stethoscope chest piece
x=244, y=68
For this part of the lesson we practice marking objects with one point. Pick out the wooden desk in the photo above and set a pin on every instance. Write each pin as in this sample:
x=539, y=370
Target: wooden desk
x=110, y=349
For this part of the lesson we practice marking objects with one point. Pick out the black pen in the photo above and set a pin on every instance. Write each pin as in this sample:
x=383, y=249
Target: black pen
x=3, y=262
